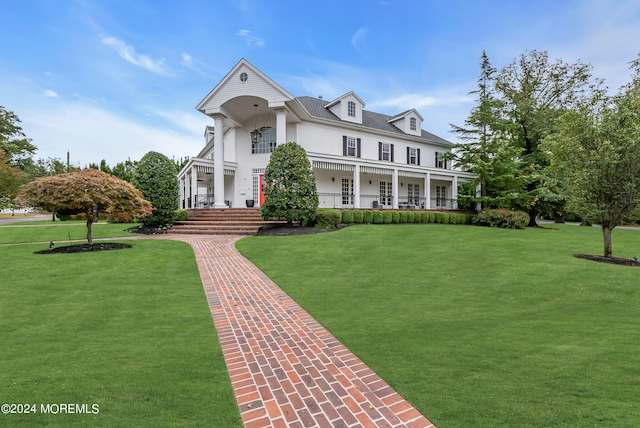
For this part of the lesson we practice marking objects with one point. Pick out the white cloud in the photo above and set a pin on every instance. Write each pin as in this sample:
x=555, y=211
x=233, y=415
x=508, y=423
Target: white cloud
x=50, y=94
x=250, y=38
x=188, y=62
x=91, y=134
x=128, y=53
x=358, y=40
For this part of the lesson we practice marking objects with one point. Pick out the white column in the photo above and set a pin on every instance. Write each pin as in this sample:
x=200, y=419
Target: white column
x=281, y=126
x=356, y=186
x=181, y=204
x=218, y=162
x=395, y=188
x=454, y=193
x=427, y=192
x=194, y=186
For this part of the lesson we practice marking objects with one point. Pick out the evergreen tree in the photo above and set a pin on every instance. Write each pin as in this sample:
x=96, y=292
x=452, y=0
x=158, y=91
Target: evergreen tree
x=289, y=185
x=155, y=176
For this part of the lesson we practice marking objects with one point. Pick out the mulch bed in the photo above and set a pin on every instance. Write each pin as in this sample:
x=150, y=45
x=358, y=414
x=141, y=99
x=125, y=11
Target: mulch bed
x=146, y=230
x=611, y=260
x=291, y=230
x=83, y=248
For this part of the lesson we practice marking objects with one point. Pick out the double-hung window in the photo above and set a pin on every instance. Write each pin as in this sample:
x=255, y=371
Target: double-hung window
x=385, y=151
x=413, y=124
x=413, y=156
x=351, y=146
x=440, y=161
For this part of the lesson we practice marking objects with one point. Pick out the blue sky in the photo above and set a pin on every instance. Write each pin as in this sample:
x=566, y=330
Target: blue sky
x=114, y=79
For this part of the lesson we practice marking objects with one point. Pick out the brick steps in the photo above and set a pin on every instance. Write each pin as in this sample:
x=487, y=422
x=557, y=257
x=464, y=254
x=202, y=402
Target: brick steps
x=224, y=221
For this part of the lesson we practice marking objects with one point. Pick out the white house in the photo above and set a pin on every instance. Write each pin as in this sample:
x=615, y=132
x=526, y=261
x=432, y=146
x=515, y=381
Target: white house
x=361, y=159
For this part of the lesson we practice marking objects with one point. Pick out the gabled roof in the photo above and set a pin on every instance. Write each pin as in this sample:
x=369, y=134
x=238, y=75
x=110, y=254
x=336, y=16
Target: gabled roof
x=316, y=108
x=339, y=99
x=283, y=93
x=405, y=114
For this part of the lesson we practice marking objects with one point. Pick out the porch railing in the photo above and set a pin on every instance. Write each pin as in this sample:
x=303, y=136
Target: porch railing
x=339, y=200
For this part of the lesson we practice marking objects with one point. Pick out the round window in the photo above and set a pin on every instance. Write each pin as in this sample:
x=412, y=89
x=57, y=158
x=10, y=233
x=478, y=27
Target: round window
x=243, y=77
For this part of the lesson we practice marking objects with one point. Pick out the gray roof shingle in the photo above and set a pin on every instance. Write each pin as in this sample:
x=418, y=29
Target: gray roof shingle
x=316, y=108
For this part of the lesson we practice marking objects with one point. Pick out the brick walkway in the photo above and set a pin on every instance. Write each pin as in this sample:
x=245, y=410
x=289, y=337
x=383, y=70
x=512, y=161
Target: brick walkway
x=285, y=368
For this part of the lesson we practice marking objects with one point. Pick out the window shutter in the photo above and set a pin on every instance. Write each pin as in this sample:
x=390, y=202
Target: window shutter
x=358, y=147
x=408, y=155
x=418, y=150
x=379, y=150
x=392, y=153
x=436, y=159
x=344, y=145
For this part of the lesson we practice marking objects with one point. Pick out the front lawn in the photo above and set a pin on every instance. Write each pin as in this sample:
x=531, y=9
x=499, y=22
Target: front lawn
x=477, y=327
x=127, y=330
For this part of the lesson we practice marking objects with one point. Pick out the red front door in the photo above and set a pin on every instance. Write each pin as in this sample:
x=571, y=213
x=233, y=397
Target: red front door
x=261, y=189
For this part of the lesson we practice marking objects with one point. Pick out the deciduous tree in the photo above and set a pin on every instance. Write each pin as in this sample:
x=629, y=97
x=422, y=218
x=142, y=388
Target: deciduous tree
x=13, y=141
x=290, y=190
x=83, y=190
x=597, y=152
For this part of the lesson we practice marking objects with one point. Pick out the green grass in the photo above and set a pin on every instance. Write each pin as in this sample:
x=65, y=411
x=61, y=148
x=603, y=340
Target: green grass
x=45, y=231
x=477, y=327
x=129, y=330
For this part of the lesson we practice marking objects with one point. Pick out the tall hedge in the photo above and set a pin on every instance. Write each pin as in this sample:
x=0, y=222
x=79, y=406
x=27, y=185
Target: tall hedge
x=156, y=177
x=289, y=185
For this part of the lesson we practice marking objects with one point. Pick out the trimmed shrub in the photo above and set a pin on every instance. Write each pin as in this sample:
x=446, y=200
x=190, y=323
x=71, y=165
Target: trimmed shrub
x=423, y=216
x=347, y=216
x=437, y=217
x=502, y=218
x=156, y=177
x=431, y=217
x=377, y=217
x=328, y=218
x=182, y=215
x=290, y=190
x=445, y=218
x=367, y=216
x=395, y=217
x=357, y=216
x=387, y=217
x=402, y=217
x=410, y=216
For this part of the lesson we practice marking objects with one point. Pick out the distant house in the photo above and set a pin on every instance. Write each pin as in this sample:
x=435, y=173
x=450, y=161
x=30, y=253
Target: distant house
x=361, y=159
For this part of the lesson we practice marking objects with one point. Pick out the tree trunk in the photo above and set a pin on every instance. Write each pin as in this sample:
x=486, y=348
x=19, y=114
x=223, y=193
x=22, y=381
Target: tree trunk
x=53, y=215
x=606, y=236
x=533, y=213
x=89, y=223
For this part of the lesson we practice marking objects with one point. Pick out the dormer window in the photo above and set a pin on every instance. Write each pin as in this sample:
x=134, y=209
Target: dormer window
x=413, y=124
x=351, y=109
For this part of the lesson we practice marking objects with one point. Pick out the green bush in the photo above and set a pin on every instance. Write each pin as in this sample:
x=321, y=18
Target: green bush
x=367, y=216
x=156, y=177
x=347, y=216
x=328, y=218
x=431, y=217
x=387, y=217
x=502, y=218
x=377, y=217
x=395, y=217
x=357, y=216
x=290, y=190
x=402, y=217
x=437, y=217
x=182, y=215
x=445, y=218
